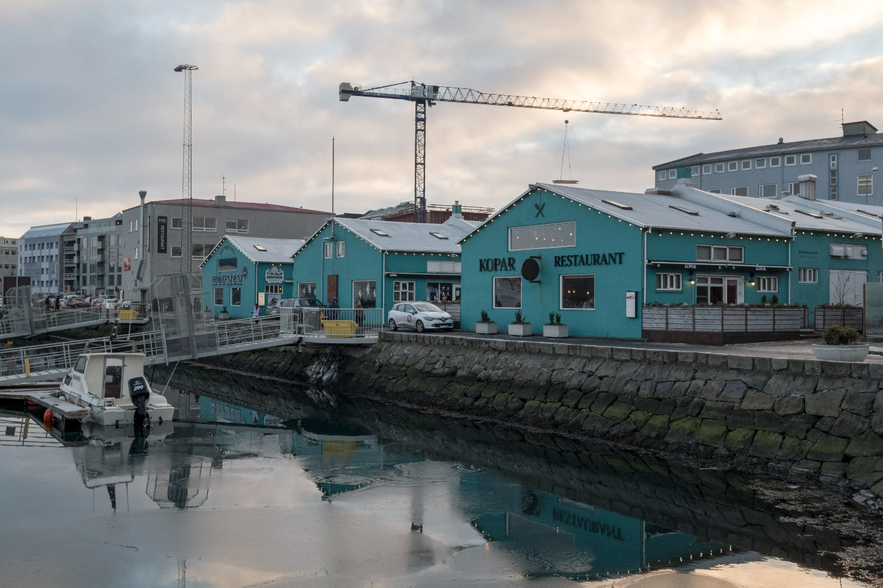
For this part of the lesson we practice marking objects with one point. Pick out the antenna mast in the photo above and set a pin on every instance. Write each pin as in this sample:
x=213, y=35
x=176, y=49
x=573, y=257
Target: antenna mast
x=187, y=178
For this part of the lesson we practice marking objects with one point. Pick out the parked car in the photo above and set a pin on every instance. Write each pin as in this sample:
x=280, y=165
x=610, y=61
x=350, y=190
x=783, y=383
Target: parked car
x=72, y=301
x=419, y=316
x=295, y=303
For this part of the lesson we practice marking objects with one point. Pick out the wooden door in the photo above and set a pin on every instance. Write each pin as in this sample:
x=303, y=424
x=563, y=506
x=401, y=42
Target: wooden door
x=331, y=290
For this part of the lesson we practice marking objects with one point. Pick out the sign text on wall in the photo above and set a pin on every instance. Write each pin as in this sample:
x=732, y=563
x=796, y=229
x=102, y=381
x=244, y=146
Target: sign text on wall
x=589, y=259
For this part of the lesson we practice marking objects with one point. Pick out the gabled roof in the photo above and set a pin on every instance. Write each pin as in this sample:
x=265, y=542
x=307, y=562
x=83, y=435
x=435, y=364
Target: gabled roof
x=672, y=212
x=274, y=250
x=47, y=231
x=407, y=237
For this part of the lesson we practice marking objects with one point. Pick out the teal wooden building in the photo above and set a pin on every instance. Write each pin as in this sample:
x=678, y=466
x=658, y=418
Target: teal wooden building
x=379, y=263
x=243, y=271
x=598, y=258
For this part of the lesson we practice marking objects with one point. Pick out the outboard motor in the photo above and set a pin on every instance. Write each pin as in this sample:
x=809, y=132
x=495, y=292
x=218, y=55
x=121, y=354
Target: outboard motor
x=140, y=394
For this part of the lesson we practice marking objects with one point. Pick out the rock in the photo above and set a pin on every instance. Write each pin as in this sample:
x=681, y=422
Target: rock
x=766, y=444
x=755, y=400
x=788, y=405
x=849, y=425
x=825, y=404
x=827, y=448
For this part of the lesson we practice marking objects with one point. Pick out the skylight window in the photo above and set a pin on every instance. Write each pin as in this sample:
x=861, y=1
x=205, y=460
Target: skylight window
x=684, y=210
x=808, y=213
x=866, y=212
x=617, y=204
x=438, y=235
x=379, y=233
x=260, y=247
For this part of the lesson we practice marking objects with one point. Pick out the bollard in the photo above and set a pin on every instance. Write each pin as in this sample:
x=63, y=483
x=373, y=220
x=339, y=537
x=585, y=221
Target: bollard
x=27, y=367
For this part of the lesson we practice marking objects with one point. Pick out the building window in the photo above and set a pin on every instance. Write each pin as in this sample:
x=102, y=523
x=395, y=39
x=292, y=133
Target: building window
x=274, y=293
x=341, y=248
x=805, y=158
x=662, y=174
x=712, y=253
x=204, y=223
x=760, y=163
x=746, y=164
x=176, y=251
x=177, y=223
x=714, y=191
x=706, y=169
x=672, y=174
x=198, y=253
x=794, y=188
x=767, y=190
x=790, y=160
x=864, y=154
x=768, y=284
x=808, y=275
x=443, y=267
x=236, y=225
x=227, y=264
x=219, y=297
x=719, y=168
x=694, y=171
x=833, y=162
x=365, y=291
x=542, y=236
x=327, y=249
x=849, y=251
x=403, y=291
x=235, y=296
x=740, y=191
x=732, y=166
x=865, y=185
x=306, y=290
x=578, y=292
x=775, y=161
x=507, y=292
x=832, y=183
x=668, y=282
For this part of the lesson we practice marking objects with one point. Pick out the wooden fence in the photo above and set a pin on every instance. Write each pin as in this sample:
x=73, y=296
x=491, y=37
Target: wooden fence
x=719, y=325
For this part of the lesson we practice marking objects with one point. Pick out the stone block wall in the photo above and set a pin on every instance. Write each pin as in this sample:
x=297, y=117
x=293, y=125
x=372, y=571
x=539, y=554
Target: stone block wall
x=801, y=417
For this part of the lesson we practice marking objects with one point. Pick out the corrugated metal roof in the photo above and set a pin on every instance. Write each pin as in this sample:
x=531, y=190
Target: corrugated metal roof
x=849, y=142
x=276, y=250
x=411, y=237
x=266, y=206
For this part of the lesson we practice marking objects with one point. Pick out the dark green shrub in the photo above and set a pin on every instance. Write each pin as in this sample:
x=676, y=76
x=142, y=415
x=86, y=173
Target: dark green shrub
x=484, y=317
x=837, y=335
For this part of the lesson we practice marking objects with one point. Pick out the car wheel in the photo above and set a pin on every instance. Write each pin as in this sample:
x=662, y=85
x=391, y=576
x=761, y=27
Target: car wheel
x=392, y=325
x=419, y=326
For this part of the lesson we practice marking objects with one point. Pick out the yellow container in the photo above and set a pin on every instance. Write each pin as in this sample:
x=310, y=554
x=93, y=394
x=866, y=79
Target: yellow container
x=340, y=328
x=128, y=315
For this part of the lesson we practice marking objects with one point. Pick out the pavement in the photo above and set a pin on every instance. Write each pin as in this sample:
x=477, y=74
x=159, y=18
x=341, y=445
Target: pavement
x=798, y=349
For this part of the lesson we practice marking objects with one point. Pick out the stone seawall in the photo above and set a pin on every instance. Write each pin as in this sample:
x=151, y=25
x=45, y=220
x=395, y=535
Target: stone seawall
x=797, y=417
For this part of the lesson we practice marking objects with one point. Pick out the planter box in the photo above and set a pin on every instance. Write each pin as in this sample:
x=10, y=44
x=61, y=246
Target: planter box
x=489, y=328
x=845, y=317
x=851, y=353
x=223, y=315
x=520, y=329
x=556, y=331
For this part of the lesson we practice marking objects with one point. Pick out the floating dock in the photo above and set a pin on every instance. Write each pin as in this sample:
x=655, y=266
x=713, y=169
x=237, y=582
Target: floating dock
x=63, y=411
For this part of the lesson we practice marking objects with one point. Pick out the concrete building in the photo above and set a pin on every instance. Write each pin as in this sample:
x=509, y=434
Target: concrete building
x=160, y=239
x=43, y=254
x=597, y=257
x=8, y=257
x=844, y=168
x=97, y=258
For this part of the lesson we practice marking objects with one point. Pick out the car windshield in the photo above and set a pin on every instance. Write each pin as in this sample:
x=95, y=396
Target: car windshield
x=311, y=302
x=426, y=307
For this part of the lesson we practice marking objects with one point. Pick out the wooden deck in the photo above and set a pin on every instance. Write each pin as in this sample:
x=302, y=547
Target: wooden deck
x=61, y=409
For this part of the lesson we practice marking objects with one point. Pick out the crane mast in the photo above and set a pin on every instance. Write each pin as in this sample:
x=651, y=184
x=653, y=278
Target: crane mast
x=187, y=176
x=424, y=95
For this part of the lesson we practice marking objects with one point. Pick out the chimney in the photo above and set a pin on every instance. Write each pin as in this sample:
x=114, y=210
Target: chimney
x=220, y=201
x=807, y=186
x=457, y=210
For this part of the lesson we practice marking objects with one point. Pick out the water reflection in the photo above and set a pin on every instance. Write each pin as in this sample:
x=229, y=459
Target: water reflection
x=239, y=496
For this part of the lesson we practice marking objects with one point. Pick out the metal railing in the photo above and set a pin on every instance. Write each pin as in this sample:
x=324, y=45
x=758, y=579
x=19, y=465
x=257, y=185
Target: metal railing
x=331, y=323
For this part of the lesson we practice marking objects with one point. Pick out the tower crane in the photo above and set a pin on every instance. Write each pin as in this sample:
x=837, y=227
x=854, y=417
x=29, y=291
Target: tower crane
x=423, y=95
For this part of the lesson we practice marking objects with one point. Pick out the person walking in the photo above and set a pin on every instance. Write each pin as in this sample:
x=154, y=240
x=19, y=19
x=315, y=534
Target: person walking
x=257, y=312
x=332, y=314
x=360, y=314
x=48, y=303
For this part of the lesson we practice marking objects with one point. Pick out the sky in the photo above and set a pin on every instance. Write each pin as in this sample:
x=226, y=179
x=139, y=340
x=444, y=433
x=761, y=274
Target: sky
x=92, y=111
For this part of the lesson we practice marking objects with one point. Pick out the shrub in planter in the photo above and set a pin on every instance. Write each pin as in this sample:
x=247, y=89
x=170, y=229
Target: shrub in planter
x=520, y=327
x=837, y=335
x=840, y=345
x=554, y=329
x=486, y=326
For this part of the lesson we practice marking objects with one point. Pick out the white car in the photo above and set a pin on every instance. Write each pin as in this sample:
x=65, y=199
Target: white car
x=420, y=316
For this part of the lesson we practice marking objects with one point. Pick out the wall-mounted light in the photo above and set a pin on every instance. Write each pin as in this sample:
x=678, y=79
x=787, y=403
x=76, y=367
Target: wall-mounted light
x=858, y=235
x=692, y=278
x=730, y=235
x=751, y=279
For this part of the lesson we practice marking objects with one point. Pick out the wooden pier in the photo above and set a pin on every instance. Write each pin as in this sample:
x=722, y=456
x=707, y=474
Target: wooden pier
x=63, y=411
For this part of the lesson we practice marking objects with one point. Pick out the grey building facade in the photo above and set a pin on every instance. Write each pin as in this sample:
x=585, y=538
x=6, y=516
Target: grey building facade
x=160, y=240
x=96, y=260
x=43, y=256
x=845, y=168
x=8, y=257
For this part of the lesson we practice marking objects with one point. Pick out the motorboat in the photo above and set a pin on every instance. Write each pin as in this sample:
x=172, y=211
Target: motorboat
x=113, y=387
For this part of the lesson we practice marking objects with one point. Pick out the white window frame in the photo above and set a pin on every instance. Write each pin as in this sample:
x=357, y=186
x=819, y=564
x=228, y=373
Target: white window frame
x=341, y=249
x=732, y=166
x=865, y=181
x=859, y=153
x=769, y=284
x=204, y=226
x=563, y=277
x=669, y=282
x=794, y=188
x=832, y=161
x=663, y=174
x=720, y=167
x=775, y=161
x=219, y=296
x=694, y=171
x=760, y=163
x=179, y=250
x=760, y=190
x=706, y=169
x=327, y=250
x=672, y=174
x=240, y=225
x=746, y=164
x=743, y=189
x=404, y=291
x=805, y=158
x=731, y=254
x=808, y=275
x=177, y=225
x=792, y=159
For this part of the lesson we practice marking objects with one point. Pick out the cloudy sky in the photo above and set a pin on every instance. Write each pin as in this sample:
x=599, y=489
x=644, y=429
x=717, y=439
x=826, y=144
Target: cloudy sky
x=91, y=110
